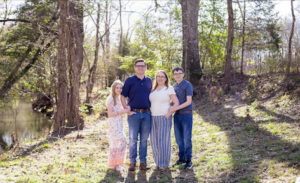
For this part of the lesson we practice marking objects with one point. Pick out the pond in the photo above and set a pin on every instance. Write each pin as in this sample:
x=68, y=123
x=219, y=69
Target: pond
x=23, y=123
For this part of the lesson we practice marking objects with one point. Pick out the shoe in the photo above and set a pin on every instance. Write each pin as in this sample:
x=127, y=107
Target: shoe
x=179, y=162
x=143, y=166
x=131, y=167
x=119, y=168
x=188, y=165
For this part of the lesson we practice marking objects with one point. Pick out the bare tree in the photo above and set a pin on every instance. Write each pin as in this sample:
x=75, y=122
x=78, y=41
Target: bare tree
x=92, y=74
x=243, y=12
x=227, y=78
x=290, y=41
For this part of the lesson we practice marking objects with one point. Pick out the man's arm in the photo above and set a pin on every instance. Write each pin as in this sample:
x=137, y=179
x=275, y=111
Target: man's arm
x=124, y=102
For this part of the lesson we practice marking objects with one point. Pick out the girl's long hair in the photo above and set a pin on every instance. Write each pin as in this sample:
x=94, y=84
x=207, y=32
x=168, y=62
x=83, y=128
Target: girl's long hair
x=113, y=90
x=166, y=83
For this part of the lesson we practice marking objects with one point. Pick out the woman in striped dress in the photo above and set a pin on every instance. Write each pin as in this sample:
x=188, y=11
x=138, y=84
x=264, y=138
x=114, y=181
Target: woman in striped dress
x=117, y=139
x=160, y=135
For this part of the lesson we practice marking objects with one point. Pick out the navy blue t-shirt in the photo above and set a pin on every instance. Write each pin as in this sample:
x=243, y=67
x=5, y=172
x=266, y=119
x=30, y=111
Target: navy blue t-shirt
x=184, y=89
x=137, y=90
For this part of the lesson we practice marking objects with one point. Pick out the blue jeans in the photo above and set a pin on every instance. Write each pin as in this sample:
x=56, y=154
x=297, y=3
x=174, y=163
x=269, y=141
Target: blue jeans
x=139, y=123
x=183, y=125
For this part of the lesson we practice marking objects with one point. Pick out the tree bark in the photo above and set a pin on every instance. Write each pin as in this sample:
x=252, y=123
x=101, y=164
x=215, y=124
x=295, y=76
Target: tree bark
x=76, y=60
x=227, y=78
x=290, y=41
x=61, y=111
x=191, y=59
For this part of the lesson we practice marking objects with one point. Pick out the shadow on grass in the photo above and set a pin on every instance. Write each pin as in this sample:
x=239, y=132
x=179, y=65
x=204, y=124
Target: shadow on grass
x=160, y=176
x=112, y=176
x=250, y=144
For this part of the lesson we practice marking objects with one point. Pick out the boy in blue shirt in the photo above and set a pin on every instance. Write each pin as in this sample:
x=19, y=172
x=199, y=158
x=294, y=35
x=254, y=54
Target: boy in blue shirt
x=183, y=118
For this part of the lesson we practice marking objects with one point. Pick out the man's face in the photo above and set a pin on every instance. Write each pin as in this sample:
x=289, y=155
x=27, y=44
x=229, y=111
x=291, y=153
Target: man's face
x=178, y=75
x=140, y=68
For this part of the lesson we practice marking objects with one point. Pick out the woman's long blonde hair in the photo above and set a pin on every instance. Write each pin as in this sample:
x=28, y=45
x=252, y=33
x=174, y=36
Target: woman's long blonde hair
x=113, y=90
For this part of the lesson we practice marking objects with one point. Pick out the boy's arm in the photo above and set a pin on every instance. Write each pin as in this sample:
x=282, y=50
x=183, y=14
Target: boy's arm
x=183, y=105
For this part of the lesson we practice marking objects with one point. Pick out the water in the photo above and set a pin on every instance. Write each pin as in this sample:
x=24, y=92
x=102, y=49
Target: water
x=25, y=123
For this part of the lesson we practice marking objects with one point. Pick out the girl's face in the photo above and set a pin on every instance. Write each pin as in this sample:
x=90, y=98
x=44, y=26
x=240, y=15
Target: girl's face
x=118, y=89
x=161, y=78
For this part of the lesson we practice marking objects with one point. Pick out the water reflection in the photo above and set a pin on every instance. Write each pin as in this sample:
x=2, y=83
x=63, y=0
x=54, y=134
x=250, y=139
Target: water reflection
x=23, y=122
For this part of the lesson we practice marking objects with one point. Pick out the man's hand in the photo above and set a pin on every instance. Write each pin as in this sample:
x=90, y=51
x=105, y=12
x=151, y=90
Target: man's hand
x=131, y=113
x=167, y=115
x=172, y=109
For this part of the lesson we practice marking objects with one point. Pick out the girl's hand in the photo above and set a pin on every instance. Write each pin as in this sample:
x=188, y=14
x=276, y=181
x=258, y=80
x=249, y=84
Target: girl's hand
x=167, y=115
x=127, y=110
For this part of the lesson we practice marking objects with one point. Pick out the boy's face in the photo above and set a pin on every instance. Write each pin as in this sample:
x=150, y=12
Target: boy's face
x=178, y=75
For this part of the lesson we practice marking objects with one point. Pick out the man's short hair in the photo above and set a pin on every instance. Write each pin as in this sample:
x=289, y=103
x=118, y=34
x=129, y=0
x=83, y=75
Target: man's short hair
x=140, y=60
x=177, y=69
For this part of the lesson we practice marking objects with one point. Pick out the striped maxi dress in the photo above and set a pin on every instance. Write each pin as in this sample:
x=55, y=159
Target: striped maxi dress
x=160, y=139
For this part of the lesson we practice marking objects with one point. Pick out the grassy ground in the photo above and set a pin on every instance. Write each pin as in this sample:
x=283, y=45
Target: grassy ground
x=250, y=135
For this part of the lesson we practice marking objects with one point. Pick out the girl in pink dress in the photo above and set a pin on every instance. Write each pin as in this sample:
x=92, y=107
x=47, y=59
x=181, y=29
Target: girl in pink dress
x=117, y=139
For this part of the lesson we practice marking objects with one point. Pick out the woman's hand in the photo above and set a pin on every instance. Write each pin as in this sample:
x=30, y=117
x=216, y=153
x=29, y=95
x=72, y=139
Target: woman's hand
x=172, y=109
x=167, y=115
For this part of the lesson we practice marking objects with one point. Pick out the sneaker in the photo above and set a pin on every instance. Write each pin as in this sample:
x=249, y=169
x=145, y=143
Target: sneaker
x=118, y=168
x=179, y=162
x=131, y=167
x=188, y=165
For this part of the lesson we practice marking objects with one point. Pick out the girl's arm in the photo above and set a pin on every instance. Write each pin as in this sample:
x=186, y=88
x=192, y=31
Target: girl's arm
x=116, y=113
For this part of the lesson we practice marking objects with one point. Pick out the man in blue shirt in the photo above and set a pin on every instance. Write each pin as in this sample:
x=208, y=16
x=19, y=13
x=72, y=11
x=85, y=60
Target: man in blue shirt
x=137, y=89
x=183, y=118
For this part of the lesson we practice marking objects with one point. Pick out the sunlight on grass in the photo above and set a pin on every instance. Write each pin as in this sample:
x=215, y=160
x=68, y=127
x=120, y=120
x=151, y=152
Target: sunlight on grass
x=212, y=147
x=287, y=131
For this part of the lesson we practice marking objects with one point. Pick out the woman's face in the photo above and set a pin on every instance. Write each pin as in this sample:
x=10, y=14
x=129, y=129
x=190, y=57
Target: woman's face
x=161, y=78
x=118, y=89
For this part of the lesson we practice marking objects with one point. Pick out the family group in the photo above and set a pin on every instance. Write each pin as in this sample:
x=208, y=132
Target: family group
x=149, y=111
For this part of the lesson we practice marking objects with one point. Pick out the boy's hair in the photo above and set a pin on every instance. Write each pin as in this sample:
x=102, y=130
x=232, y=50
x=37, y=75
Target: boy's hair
x=177, y=69
x=140, y=60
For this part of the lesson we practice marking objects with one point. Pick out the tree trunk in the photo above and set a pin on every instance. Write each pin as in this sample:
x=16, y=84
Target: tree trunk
x=290, y=42
x=76, y=60
x=191, y=59
x=92, y=73
x=227, y=78
x=61, y=111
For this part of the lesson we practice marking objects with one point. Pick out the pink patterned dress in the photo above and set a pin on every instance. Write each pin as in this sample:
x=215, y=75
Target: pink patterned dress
x=117, y=139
